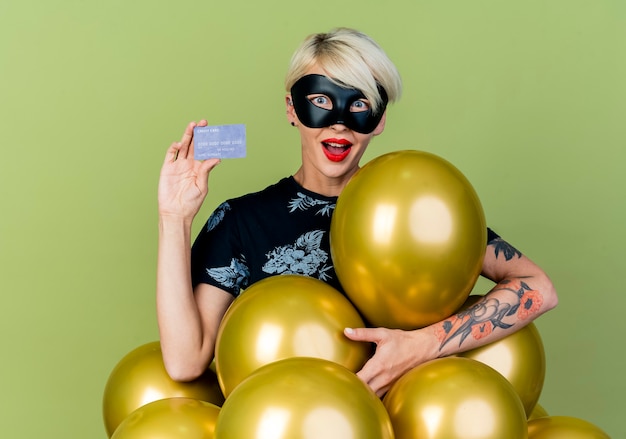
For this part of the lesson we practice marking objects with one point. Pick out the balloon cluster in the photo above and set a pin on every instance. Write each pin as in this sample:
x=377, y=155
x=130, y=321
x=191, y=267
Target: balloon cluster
x=136, y=387
x=407, y=238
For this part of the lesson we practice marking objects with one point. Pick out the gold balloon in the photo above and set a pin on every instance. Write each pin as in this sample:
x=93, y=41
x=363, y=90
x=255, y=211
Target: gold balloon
x=408, y=238
x=563, y=427
x=456, y=398
x=140, y=378
x=303, y=398
x=170, y=418
x=286, y=316
x=519, y=357
x=538, y=412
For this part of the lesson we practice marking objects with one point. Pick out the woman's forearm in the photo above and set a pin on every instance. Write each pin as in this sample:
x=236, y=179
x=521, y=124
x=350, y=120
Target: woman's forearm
x=178, y=316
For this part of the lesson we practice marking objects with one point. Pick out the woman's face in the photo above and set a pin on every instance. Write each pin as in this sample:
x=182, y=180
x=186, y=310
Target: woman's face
x=330, y=153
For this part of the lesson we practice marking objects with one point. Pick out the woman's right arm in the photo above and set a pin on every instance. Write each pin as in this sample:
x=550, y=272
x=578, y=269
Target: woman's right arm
x=187, y=319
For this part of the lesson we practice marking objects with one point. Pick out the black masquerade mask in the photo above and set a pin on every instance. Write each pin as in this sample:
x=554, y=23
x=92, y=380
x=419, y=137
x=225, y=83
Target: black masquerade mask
x=340, y=110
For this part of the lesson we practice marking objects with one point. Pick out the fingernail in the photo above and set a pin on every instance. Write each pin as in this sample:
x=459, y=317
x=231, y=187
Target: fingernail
x=348, y=330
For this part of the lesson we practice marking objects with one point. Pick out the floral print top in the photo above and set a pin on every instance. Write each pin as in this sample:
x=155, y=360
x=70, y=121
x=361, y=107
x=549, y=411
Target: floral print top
x=283, y=229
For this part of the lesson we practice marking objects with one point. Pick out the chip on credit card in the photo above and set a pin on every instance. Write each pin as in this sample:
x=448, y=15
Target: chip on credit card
x=219, y=141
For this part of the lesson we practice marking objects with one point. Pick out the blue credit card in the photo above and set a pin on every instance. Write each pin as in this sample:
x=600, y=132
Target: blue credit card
x=219, y=141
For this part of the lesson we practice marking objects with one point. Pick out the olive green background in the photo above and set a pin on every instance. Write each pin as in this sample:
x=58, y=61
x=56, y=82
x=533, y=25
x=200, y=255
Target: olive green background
x=527, y=98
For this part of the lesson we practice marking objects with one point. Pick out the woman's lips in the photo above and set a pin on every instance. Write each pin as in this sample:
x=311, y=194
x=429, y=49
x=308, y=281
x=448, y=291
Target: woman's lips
x=336, y=149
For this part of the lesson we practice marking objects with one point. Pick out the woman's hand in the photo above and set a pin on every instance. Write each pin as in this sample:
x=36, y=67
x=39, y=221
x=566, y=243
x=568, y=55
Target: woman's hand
x=397, y=352
x=183, y=184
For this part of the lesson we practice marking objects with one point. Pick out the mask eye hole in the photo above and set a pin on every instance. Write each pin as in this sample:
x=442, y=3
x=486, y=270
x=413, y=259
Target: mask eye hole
x=321, y=101
x=359, y=106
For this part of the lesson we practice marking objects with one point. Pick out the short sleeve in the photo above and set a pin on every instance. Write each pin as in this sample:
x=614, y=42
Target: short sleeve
x=216, y=255
x=491, y=235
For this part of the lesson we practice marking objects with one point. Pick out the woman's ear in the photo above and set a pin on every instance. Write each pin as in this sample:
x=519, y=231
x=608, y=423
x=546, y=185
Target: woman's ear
x=291, y=114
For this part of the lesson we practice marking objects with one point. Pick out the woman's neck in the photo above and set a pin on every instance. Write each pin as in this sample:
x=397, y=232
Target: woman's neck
x=323, y=185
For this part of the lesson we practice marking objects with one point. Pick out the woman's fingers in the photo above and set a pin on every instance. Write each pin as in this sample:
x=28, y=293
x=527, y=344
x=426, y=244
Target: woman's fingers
x=205, y=168
x=186, y=142
x=172, y=152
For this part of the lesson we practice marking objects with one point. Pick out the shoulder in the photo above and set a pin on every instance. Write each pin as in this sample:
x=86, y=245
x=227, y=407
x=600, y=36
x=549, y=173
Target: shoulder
x=285, y=192
x=244, y=204
x=266, y=198
x=283, y=188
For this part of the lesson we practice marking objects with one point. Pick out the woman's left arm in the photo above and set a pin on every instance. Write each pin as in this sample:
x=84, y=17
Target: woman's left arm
x=522, y=292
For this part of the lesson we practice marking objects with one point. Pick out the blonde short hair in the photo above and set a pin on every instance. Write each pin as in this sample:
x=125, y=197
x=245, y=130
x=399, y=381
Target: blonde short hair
x=350, y=58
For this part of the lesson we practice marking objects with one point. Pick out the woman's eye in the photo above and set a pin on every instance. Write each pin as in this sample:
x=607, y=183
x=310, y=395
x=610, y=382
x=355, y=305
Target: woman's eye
x=358, y=106
x=321, y=101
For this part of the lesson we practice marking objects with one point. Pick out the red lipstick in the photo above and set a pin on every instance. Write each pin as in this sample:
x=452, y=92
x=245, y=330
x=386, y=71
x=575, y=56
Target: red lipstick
x=336, y=149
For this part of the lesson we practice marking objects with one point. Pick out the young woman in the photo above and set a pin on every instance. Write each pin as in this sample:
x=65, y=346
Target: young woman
x=338, y=86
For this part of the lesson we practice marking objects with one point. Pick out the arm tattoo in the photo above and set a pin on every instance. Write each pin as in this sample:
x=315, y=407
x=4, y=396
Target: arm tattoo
x=500, y=245
x=481, y=319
